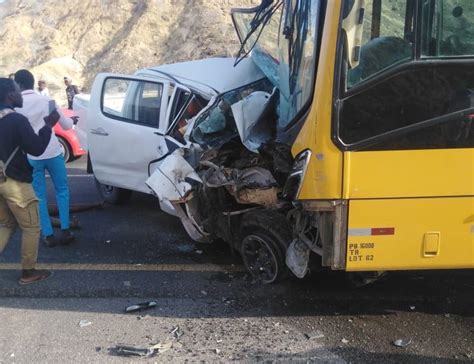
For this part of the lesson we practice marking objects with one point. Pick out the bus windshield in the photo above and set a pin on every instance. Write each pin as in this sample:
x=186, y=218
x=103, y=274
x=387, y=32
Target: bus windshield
x=280, y=37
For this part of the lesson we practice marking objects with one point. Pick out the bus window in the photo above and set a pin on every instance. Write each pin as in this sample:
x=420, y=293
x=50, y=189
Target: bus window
x=425, y=103
x=448, y=29
x=387, y=38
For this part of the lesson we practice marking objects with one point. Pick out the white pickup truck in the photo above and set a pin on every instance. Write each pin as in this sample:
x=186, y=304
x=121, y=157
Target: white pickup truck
x=131, y=121
x=200, y=136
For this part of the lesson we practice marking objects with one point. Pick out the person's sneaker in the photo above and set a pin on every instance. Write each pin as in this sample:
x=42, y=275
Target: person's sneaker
x=67, y=237
x=50, y=241
x=29, y=276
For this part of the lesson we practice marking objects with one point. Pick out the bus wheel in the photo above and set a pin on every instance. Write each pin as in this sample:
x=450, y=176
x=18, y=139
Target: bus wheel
x=264, y=239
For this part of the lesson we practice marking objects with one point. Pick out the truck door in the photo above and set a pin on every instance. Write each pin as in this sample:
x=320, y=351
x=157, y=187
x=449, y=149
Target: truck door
x=405, y=122
x=127, y=122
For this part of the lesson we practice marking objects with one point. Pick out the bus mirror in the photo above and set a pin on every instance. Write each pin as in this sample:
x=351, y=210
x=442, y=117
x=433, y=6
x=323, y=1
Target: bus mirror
x=353, y=26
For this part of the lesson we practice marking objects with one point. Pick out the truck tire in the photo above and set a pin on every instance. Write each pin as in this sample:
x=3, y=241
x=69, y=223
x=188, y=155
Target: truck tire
x=264, y=237
x=113, y=195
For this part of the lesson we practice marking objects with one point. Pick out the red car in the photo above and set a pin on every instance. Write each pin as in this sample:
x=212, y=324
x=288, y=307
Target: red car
x=68, y=139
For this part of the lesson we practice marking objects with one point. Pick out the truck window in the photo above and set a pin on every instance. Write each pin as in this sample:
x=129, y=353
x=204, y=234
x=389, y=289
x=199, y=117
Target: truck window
x=423, y=103
x=387, y=39
x=137, y=102
x=450, y=33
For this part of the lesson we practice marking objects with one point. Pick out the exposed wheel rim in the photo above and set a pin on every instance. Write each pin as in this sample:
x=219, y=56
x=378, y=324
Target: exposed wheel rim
x=259, y=258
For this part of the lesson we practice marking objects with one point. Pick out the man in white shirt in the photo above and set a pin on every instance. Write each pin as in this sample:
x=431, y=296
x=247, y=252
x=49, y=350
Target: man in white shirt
x=35, y=108
x=42, y=89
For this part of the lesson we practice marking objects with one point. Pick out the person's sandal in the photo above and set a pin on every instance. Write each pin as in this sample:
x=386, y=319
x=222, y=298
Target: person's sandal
x=50, y=241
x=29, y=276
x=67, y=237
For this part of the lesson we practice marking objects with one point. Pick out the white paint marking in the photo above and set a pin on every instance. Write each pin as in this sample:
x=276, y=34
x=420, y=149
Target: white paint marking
x=360, y=232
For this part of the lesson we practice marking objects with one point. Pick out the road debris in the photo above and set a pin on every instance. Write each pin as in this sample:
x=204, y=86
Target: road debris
x=141, y=306
x=84, y=323
x=316, y=334
x=412, y=308
x=107, y=242
x=400, y=343
x=199, y=252
x=345, y=341
x=204, y=293
x=127, y=283
x=176, y=332
x=144, y=352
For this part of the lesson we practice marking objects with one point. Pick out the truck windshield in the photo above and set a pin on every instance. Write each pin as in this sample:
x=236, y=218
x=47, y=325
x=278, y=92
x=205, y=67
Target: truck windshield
x=280, y=37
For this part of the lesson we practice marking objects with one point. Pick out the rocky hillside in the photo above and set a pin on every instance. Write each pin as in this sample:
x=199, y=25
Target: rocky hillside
x=57, y=38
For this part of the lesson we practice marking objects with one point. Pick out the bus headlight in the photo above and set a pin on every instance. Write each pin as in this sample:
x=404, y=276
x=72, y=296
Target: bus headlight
x=298, y=171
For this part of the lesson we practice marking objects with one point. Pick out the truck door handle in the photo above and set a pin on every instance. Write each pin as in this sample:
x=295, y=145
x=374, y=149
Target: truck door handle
x=99, y=131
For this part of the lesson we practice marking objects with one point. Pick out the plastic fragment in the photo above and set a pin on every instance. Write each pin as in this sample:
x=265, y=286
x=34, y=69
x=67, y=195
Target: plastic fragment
x=141, y=306
x=176, y=332
x=84, y=323
x=400, y=343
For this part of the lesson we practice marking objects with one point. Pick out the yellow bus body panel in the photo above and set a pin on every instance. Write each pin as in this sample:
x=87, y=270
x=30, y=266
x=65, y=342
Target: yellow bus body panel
x=324, y=175
x=409, y=173
x=426, y=196
x=428, y=233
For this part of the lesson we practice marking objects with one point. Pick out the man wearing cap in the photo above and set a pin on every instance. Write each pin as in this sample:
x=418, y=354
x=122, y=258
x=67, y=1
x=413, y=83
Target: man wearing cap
x=71, y=91
x=18, y=202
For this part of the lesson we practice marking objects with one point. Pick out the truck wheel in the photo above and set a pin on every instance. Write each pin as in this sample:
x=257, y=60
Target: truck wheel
x=264, y=238
x=113, y=195
x=67, y=153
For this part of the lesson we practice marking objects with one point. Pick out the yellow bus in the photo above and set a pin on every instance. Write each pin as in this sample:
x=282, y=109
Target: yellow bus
x=379, y=110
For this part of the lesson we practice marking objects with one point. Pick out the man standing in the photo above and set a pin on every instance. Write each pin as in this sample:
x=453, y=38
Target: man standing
x=18, y=203
x=35, y=108
x=42, y=89
x=71, y=91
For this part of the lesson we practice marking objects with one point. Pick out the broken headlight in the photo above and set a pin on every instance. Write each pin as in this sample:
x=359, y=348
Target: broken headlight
x=295, y=179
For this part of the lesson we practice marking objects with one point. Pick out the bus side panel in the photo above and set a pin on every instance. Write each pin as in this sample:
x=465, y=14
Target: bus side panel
x=404, y=234
x=409, y=173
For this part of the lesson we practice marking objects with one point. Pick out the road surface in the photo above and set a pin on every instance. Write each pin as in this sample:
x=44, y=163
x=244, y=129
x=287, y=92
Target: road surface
x=136, y=253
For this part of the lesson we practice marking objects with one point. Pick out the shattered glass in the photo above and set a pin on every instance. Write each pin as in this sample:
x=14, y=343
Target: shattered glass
x=217, y=126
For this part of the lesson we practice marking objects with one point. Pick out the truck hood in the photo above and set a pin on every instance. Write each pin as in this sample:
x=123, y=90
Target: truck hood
x=212, y=75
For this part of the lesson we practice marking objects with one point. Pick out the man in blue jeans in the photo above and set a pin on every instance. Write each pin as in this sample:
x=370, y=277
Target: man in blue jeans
x=35, y=108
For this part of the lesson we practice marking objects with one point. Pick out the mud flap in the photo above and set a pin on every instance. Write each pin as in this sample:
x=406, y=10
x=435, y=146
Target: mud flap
x=297, y=257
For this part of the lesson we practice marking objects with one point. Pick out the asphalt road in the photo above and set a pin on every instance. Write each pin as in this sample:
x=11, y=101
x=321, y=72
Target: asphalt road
x=135, y=253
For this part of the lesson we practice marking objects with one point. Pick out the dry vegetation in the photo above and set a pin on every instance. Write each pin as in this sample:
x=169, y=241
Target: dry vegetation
x=55, y=38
